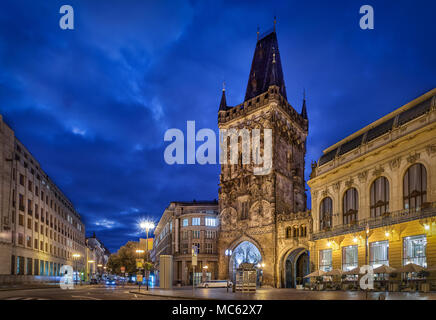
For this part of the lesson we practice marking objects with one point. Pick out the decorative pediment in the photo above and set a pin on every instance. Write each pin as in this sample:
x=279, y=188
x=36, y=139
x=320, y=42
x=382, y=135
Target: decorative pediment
x=336, y=186
x=349, y=183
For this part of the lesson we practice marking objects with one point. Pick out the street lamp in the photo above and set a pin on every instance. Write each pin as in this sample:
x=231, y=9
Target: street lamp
x=75, y=257
x=147, y=226
x=228, y=254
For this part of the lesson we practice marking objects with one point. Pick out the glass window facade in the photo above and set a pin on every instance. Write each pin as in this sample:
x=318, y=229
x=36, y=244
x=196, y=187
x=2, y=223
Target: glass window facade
x=185, y=222
x=195, y=221
x=210, y=222
x=349, y=258
x=414, y=250
x=379, y=253
x=325, y=260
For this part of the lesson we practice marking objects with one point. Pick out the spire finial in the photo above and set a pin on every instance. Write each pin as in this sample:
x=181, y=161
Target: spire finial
x=275, y=22
x=224, y=86
x=274, y=55
x=257, y=33
x=304, y=93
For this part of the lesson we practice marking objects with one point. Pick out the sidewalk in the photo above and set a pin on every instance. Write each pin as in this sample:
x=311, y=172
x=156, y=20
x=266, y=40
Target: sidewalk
x=278, y=294
x=32, y=286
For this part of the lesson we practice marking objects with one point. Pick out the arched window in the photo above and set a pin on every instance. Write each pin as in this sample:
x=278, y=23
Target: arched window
x=326, y=212
x=288, y=232
x=350, y=206
x=415, y=186
x=379, y=194
x=295, y=232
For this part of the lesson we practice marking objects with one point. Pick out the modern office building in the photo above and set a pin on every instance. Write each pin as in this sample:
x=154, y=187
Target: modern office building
x=374, y=193
x=39, y=228
x=183, y=225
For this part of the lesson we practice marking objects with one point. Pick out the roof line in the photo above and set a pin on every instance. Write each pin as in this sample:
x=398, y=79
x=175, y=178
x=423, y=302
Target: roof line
x=390, y=115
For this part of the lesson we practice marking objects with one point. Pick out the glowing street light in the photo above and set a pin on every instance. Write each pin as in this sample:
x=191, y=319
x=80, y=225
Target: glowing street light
x=139, y=251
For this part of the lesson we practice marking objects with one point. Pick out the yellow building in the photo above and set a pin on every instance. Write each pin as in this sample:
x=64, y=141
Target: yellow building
x=380, y=183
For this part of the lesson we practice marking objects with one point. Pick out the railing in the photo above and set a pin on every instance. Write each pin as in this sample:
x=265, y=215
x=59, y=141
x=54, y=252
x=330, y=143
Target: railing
x=395, y=217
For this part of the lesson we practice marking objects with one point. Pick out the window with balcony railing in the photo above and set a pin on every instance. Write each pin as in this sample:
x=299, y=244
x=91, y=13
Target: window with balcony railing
x=325, y=213
x=379, y=197
x=350, y=206
x=415, y=186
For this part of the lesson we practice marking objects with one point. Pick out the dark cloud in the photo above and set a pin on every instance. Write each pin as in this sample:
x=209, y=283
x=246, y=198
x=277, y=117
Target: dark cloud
x=92, y=104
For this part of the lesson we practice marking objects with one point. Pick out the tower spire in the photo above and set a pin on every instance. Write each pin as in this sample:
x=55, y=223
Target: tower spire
x=275, y=22
x=304, y=108
x=223, y=103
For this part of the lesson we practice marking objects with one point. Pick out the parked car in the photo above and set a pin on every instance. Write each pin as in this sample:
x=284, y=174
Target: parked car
x=216, y=284
x=94, y=281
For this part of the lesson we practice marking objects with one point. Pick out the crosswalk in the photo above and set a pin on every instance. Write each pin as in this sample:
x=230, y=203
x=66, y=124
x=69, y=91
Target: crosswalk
x=25, y=298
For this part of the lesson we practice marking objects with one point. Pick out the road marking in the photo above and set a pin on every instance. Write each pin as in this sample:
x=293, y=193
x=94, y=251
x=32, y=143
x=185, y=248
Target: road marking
x=85, y=297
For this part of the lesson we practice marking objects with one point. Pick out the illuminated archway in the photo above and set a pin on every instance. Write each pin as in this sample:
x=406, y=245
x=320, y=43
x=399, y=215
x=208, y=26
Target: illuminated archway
x=245, y=252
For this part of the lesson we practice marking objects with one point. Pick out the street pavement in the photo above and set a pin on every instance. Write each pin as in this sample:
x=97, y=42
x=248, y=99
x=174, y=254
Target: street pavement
x=281, y=294
x=85, y=292
x=102, y=292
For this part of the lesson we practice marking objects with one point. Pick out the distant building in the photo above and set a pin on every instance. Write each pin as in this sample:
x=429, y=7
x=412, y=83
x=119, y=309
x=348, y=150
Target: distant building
x=40, y=230
x=97, y=257
x=380, y=183
x=183, y=225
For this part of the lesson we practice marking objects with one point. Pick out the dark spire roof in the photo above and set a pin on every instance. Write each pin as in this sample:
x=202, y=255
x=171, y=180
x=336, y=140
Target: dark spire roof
x=223, y=103
x=304, y=109
x=266, y=68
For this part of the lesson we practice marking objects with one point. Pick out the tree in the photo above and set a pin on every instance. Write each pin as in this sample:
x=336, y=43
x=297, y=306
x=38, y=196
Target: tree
x=126, y=257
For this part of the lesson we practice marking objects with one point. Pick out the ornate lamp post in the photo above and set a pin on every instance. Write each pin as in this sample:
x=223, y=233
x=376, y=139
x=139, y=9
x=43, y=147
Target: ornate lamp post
x=228, y=254
x=147, y=226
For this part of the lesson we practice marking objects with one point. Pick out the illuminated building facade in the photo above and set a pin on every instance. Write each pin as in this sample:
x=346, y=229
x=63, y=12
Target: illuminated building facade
x=39, y=228
x=378, y=184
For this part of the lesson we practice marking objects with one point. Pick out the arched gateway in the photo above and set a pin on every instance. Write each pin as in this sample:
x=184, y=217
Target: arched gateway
x=295, y=266
x=245, y=252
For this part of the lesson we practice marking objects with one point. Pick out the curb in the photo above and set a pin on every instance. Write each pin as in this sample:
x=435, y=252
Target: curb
x=170, y=296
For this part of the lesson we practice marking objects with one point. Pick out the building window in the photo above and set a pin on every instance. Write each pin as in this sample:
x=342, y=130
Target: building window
x=210, y=222
x=326, y=213
x=185, y=248
x=379, y=197
x=349, y=258
x=209, y=248
x=415, y=250
x=20, y=265
x=350, y=206
x=379, y=253
x=21, y=202
x=210, y=234
x=244, y=210
x=288, y=232
x=195, y=221
x=29, y=241
x=415, y=186
x=29, y=266
x=21, y=179
x=185, y=223
x=185, y=235
x=198, y=247
x=295, y=232
x=325, y=260
x=196, y=234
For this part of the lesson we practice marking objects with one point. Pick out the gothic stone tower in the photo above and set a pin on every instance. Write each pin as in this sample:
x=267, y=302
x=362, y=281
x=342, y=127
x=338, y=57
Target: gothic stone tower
x=253, y=206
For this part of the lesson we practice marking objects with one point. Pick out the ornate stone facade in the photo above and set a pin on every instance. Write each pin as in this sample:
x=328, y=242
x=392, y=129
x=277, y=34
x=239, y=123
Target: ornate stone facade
x=261, y=208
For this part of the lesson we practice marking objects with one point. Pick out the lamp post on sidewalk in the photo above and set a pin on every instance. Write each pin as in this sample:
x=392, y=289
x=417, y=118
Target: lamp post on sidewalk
x=147, y=226
x=76, y=256
x=228, y=254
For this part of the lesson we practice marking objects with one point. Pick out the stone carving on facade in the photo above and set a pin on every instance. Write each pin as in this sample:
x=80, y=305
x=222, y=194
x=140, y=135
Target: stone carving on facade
x=395, y=163
x=349, y=183
x=336, y=186
x=413, y=158
x=378, y=171
x=362, y=176
x=325, y=193
x=431, y=148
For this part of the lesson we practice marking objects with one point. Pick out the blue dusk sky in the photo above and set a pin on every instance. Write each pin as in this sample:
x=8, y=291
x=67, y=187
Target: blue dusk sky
x=92, y=104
